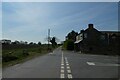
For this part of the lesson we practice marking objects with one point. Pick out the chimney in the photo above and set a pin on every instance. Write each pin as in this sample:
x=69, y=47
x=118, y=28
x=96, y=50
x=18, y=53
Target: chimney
x=90, y=26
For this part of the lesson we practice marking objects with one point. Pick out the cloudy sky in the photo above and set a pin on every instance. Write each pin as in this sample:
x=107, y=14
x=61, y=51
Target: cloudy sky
x=30, y=21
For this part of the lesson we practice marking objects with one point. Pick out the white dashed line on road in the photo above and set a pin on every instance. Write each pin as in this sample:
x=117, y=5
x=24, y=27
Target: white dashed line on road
x=62, y=67
x=69, y=76
x=62, y=76
x=65, y=66
x=62, y=71
x=102, y=64
x=68, y=67
x=69, y=71
x=66, y=59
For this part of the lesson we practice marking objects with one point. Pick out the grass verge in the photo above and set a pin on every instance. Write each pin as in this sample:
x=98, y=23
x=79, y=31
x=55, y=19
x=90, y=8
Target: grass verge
x=18, y=52
x=21, y=60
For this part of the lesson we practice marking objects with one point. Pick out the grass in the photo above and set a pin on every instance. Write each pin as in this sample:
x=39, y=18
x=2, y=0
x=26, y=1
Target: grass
x=33, y=52
x=22, y=59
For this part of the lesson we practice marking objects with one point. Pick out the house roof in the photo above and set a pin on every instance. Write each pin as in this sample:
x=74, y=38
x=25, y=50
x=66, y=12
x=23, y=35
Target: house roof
x=93, y=29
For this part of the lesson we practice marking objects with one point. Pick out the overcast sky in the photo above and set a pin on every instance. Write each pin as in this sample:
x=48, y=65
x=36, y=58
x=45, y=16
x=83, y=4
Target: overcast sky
x=30, y=21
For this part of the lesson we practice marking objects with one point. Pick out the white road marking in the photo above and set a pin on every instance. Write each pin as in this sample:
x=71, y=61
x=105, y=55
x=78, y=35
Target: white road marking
x=66, y=59
x=90, y=63
x=68, y=67
x=62, y=64
x=69, y=76
x=67, y=64
x=102, y=64
x=69, y=71
x=62, y=76
x=62, y=67
x=62, y=71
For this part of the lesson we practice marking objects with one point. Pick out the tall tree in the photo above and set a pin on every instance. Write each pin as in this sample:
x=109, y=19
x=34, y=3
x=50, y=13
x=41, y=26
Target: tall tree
x=72, y=36
x=53, y=41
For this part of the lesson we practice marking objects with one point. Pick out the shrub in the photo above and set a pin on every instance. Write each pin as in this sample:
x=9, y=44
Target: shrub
x=39, y=50
x=69, y=45
x=25, y=52
x=8, y=57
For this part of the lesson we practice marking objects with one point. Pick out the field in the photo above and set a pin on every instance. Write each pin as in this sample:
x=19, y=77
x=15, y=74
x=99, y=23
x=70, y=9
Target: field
x=13, y=54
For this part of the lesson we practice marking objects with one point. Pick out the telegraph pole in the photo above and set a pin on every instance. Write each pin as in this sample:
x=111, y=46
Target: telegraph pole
x=48, y=38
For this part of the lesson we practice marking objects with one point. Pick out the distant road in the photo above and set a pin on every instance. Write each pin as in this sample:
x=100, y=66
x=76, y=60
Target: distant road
x=65, y=64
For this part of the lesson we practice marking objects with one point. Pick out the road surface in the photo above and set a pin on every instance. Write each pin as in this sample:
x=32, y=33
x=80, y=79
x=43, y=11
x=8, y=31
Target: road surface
x=65, y=64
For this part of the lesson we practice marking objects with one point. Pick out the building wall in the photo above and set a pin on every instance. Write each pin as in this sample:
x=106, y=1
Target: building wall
x=91, y=36
x=79, y=37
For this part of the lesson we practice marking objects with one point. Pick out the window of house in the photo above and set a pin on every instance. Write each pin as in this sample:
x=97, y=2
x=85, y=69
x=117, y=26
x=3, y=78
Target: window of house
x=81, y=36
x=85, y=35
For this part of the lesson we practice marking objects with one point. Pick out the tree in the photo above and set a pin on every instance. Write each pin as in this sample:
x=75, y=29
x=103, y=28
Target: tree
x=31, y=43
x=16, y=42
x=39, y=43
x=26, y=42
x=69, y=45
x=70, y=39
x=72, y=36
x=53, y=41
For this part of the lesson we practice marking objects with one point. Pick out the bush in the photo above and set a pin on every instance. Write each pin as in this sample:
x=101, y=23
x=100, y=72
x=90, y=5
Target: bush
x=39, y=50
x=69, y=45
x=25, y=52
x=8, y=57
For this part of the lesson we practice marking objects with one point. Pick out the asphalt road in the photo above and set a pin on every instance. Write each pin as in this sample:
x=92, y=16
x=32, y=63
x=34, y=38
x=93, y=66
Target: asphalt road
x=65, y=64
